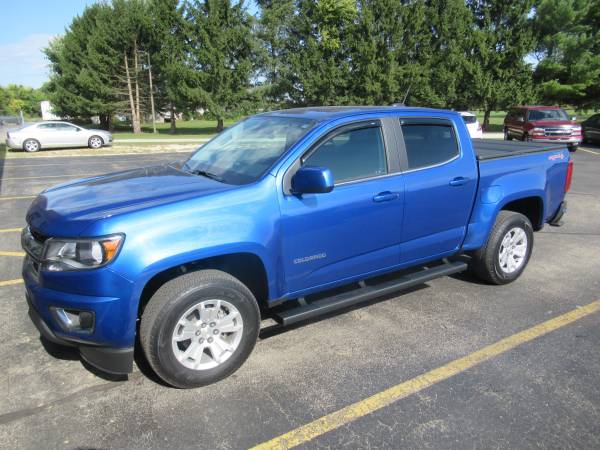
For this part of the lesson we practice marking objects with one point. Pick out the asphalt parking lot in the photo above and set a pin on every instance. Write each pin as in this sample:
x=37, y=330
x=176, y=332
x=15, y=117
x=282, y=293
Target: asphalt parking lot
x=389, y=374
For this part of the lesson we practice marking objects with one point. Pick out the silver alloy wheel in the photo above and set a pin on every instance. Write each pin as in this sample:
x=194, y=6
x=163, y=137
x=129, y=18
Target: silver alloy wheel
x=207, y=334
x=95, y=142
x=513, y=250
x=31, y=145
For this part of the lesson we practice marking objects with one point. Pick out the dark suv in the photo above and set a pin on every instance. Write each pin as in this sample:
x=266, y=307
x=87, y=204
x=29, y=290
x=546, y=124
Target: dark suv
x=542, y=124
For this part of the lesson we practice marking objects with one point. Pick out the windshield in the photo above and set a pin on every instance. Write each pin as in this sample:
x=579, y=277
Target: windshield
x=244, y=152
x=547, y=115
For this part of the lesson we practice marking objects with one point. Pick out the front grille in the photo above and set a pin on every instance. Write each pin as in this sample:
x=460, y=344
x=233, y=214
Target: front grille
x=557, y=131
x=38, y=236
x=33, y=243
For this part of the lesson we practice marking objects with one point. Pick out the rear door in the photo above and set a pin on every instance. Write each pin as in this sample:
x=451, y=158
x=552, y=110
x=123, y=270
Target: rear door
x=440, y=180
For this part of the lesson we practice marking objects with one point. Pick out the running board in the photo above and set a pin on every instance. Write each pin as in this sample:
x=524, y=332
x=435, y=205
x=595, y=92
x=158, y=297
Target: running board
x=327, y=305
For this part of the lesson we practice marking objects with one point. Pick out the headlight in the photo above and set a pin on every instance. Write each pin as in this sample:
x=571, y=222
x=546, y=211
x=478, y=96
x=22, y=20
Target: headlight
x=78, y=254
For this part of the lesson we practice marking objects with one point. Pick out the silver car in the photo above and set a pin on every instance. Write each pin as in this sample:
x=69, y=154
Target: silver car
x=54, y=134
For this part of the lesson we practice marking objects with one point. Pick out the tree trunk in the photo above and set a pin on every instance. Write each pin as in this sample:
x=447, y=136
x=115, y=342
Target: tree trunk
x=134, y=119
x=151, y=95
x=137, y=89
x=105, y=121
x=486, y=119
x=219, y=124
x=173, y=126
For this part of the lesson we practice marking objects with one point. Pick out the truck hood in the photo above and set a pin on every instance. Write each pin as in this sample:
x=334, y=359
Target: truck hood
x=68, y=209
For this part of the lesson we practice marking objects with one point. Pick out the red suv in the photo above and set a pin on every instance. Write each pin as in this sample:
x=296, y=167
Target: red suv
x=542, y=124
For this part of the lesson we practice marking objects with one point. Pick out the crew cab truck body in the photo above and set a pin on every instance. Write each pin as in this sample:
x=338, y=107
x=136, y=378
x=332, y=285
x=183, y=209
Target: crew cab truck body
x=269, y=218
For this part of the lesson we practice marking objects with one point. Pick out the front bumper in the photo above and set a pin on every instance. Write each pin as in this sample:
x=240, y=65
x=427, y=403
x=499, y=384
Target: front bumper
x=569, y=141
x=109, y=345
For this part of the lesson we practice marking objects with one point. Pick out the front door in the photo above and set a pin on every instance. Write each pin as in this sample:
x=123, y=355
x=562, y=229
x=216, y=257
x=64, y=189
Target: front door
x=354, y=229
x=440, y=186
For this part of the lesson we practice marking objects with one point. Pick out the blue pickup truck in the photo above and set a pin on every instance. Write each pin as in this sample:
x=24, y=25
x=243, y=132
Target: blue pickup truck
x=289, y=215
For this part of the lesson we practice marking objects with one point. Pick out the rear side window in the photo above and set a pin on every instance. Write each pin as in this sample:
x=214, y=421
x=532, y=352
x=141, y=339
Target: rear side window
x=429, y=144
x=469, y=119
x=352, y=155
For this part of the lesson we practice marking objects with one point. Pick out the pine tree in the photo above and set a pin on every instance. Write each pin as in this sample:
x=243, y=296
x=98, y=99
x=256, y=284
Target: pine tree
x=568, y=33
x=223, y=52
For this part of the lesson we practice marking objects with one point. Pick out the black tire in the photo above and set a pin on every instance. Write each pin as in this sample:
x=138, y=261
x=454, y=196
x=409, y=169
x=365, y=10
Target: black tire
x=31, y=145
x=486, y=260
x=93, y=142
x=573, y=148
x=507, y=135
x=171, y=301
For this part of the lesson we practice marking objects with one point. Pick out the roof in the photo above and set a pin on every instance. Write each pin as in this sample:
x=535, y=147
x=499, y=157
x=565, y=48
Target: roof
x=321, y=113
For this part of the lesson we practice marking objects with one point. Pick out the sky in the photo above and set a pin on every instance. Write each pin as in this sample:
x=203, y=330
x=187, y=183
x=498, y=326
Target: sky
x=27, y=27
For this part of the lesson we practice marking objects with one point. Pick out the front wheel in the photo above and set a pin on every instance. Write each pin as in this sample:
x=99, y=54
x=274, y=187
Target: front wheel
x=507, y=251
x=95, y=142
x=506, y=135
x=573, y=148
x=199, y=328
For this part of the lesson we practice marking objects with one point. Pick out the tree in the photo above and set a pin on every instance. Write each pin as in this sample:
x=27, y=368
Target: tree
x=503, y=36
x=16, y=98
x=308, y=57
x=169, y=49
x=568, y=33
x=223, y=53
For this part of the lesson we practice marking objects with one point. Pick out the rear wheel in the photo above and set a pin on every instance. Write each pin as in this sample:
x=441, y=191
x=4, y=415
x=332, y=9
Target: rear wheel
x=573, y=148
x=95, y=142
x=31, y=145
x=199, y=328
x=507, y=251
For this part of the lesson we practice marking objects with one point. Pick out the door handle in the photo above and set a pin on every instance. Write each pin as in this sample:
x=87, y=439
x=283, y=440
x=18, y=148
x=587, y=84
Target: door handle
x=459, y=181
x=386, y=196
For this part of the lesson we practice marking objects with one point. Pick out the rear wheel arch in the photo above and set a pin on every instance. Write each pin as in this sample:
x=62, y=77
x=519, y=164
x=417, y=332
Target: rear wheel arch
x=530, y=207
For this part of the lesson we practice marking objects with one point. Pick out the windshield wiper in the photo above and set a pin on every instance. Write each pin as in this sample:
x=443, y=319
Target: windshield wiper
x=206, y=174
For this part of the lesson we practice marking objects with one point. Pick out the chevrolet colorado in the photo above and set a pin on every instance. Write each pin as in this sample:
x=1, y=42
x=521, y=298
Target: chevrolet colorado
x=288, y=214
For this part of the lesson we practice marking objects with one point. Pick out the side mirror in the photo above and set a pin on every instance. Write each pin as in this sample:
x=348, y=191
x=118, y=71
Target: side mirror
x=574, y=118
x=312, y=180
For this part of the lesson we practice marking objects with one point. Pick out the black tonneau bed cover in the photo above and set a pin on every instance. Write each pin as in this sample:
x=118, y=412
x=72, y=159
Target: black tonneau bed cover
x=496, y=148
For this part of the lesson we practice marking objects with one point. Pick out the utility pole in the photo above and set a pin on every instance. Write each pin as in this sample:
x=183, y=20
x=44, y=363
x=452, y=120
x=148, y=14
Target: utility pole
x=151, y=95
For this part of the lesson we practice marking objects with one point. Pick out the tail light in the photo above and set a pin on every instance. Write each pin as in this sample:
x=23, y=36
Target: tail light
x=479, y=126
x=569, y=176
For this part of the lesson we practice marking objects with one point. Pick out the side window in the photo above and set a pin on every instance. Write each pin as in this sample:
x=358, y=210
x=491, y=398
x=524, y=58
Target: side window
x=46, y=126
x=352, y=155
x=429, y=144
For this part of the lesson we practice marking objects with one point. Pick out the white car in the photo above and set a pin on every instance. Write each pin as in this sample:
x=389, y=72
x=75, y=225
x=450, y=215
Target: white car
x=473, y=124
x=53, y=134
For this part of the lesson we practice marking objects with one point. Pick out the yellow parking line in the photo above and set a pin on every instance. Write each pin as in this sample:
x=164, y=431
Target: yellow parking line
x=12, y=253
x=10, y=230
x=371, y=404
x=11, y=282
x=19, y=197
x=589, y=151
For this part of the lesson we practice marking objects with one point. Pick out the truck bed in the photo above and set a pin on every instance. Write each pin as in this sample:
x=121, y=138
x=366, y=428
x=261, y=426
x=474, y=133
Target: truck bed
x=497, y=148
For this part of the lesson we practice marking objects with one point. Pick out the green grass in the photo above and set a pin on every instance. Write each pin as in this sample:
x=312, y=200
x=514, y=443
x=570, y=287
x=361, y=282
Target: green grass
x=185, y=129
x=497, y=118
